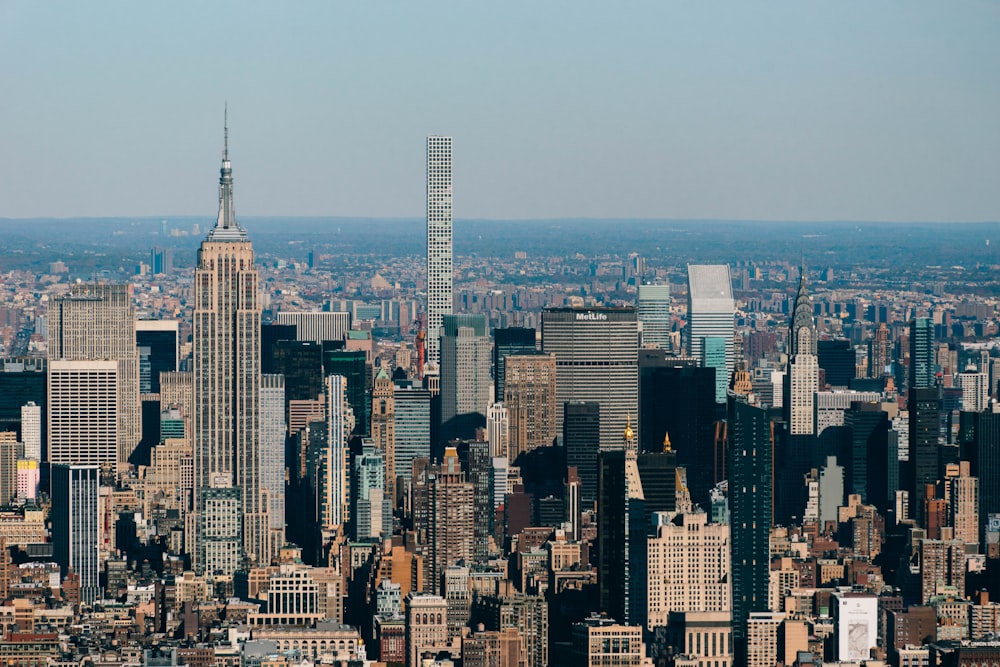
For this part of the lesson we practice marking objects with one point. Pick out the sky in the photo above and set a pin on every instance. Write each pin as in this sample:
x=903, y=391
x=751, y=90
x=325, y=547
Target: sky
x=716, y=109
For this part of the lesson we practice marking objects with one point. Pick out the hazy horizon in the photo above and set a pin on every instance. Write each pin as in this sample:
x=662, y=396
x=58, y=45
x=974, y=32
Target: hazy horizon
x=658, y=109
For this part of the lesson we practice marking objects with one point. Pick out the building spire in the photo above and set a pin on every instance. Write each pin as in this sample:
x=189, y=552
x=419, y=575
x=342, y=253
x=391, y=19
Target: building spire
x=226, y=228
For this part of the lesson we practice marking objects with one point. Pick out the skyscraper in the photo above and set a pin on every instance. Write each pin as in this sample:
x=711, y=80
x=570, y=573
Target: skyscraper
x=530, y=398
x=96, y=322
x=803, y=367
x=451, y=518
x=465, y=366
x=711, y=309
x=75, y=524
x=412, y=430
x=750, y=465
x=653, y=305
x=83, y=413
x=512, y=340
x=582, y=440
x=226, y=368
x=272, y=445
x=439, y=248
x=921, y=353
x=383, y=426
x=621, y=537
x=596, y=361
x=158, y=351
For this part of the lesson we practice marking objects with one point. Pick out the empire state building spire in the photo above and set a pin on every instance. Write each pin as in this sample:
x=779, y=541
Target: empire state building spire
x=226, y=227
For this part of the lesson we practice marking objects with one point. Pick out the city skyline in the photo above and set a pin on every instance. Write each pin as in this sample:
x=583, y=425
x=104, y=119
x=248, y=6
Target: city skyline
x=663, y=110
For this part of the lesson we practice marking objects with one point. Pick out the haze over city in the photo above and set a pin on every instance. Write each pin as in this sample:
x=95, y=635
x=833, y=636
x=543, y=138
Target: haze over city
x=666, y=110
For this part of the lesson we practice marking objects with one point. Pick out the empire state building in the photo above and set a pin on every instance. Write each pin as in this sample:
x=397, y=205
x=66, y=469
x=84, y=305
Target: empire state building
x=230, y=505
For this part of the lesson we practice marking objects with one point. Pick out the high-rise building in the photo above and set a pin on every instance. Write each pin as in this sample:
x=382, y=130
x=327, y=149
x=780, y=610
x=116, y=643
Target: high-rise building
x=272, y=464
x=921, y=353
x=335, y=500
x=964, y=507
x=31, y=430
x=924, y=422
x=621, y=537
x=96, y=322
x=658, y=472
x=713, y=355
x=159, y=350
x=83, y=413
x=8, y=466
x=371, y=515
x=677, y=399
x=22, y=380
x=803, y=365
x=480, y=475
x=451, y=519
x=582, y=440
x=465, y=366
x=75, y=524
x=986, y=466
x=317, y=326
x=689, y=566
x=653, y=309
x=383, y=426
x=750, y=465
x=530, y=399
x=711, y=310
x=351, y=365
x=426, y=626
x=498, y=430
x=439, y=245
x=880, y=353
x=508, y=341
x=412, y=431
x=226, y=370
x=596, y=353
x=837, y=360
x=975, y=389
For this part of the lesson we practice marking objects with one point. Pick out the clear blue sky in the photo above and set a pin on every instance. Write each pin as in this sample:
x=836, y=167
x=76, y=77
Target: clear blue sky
x=886, y=110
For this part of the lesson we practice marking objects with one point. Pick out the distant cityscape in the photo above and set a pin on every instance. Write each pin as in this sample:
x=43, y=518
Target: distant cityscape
x=279, y=442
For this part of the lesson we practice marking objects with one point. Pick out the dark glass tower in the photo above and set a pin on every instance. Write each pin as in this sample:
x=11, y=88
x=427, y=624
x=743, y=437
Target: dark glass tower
x=658, y=472
x=621, y=539
x=21, y=380
x=508, y=342
x=837, y=359
x=679, y=400
x=351, y=364
x=157, y=354
x=270, y=334
x=923, y=405
x=582, y=439
x=867, y=468
x=987, y=467
x=750, y=453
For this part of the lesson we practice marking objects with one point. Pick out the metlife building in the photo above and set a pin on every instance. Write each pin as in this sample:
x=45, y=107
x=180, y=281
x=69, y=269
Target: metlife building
x=597, y=352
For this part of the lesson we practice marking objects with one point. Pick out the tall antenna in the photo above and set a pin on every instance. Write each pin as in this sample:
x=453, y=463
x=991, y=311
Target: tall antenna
x=225, y=131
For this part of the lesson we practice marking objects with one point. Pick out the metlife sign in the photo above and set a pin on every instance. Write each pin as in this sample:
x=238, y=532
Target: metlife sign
x=591, y=316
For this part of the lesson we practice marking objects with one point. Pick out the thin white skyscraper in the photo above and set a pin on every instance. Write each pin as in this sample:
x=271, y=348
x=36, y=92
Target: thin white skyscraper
x=226, y=371
x=31, y=430
x=272, y=446
x=340, y=422
x=711, y=310
x=439, y=243
x=653, y=307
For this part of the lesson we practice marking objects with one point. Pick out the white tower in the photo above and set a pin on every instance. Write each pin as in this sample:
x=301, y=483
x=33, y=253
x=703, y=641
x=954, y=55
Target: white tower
x=439, y=244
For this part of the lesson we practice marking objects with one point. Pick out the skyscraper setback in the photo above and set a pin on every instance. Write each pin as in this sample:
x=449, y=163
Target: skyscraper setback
x=226, y=366
x=439, y=248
